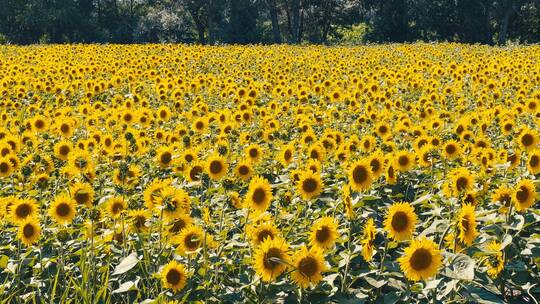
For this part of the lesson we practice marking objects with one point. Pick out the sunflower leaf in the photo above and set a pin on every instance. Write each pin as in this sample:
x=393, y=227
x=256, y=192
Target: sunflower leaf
x=127, y=263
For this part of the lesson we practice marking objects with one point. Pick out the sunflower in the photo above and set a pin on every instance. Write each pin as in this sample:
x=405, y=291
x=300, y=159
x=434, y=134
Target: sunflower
x=533, y=162
x=286, y=155
x=495, y=260
x=244, y=170
x=421, y=260
x=174, y=276
x=368, y=240
x=152, y=192
x=254, y=153
x=347, y=202
x=80, y=161
x=22, y=209
x=310, y=185
x=115, y=206
x=467, y=224
x=191, y=239
x=138, y=218
x=308, y=266
x=360, y=175
x=173, y=202
x=391, y=175
x=194, y=172
x=235, y=200
x=127, y=176
x=324, y=233
x=178, y=224
x=62, y=209
x=400, y=221
x=528, y=139
x=524, y=195
x=164, y=157
x=503, y=196
x=461, y=181
x=62, y=149
x=261, y=232
x=271, y=258
x=376, y=162
x=451, y=149
x=29, y=231
x=404, y=161
x=259, y=194
x=6, y=167
x=216, y=167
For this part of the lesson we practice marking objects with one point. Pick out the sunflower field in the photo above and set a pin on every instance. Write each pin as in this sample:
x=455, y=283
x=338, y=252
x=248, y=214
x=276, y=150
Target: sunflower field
x=262, y=174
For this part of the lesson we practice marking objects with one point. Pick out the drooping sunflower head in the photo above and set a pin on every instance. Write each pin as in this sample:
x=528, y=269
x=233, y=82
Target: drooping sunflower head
x=308, y=266
x=271, y=258
x=400, y=221
x=174, y=276
x=310, y=185
x=467, y=224
x=324, y=233
x=421, y=260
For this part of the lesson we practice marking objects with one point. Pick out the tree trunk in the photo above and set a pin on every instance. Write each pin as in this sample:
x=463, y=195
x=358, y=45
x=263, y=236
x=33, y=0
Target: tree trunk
x=210, y=9
x=509, y=12
x=275, y=22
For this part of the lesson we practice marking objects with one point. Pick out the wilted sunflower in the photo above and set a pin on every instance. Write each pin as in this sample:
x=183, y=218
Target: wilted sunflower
x=360, y=175
x=495, y=260
x=174, y=276
x=466, y=223
x=115, y=206
x=400, y=221
x=524, y=195
x=324, y=233
x=271, y=258
x=368, y=239
x=310, y=185
x=63, y=209
x=29, y=231
x=421, y=260
x=308, y=266
x=259, y=194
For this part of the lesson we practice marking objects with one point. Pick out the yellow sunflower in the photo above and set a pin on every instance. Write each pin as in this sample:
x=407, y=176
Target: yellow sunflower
x=174, y=276
x=115, y=206
x=244, y=170
x=404, y=161
x=22, y=209
x=63, y=209
x=310, y=185
x=495, y=260
x=467, y=224
x=400, y=221
x=216, y=167
x=421, y=260
x=360, y=175
x=260, y=233
x=286, y=155
x=259, y=194
x=324, y=233
x=308, y=266
x=29, y=231
x=271, y=258
x=524, y=195
x=533, y=162
x=368, y=240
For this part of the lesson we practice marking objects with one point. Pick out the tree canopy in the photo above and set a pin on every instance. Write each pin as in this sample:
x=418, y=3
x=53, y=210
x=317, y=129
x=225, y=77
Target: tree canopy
x=269, y=21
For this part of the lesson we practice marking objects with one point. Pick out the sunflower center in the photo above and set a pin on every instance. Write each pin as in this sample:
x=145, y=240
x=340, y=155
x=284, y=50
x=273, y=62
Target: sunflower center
x=465, y=224
x=117, y=207
x=462, y=183
x=64, y=150
x=375, y=165
x=522, y=194
x=243, y=170
x=403, y=160
x=314, y=154
x=288, y=155
x=194, y=174
x=527, y=139
x=82, y=197
x=64, y=128
x=166, y=157
x=63, y=209
x=270, y=256
x=139, y=221
x=534, y=161
x=178, y=225
x=215, y=167
x=4, y=167
x=400, y=221
x=322, y=234
x=188, y=158
x=264, y=234
x=23, y=211
x=253, y=153
x=360, y=174
x=450, y=149
x=308, y=266
x=192, y=241
x=259, y=195
x=421, y=259
x=173, y=277
x=310, y=185
x=28, y=230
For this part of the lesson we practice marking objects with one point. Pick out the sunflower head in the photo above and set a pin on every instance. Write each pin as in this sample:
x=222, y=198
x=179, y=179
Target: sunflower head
x=63, y=209
x=360, y=175
x=259, y=195
x=467, y=224
x=174, y=276
x=324, y=233
x=524, y=195
x=271, y=258
x=29, y=231
x=421, y=260
x=308, y=266
x=310, y=185
x=400, y=221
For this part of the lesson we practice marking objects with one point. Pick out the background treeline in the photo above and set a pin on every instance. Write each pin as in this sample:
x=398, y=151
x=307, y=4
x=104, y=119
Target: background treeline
x=268, y=21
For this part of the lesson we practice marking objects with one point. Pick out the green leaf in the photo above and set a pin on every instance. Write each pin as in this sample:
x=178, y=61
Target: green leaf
x=127, y=263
